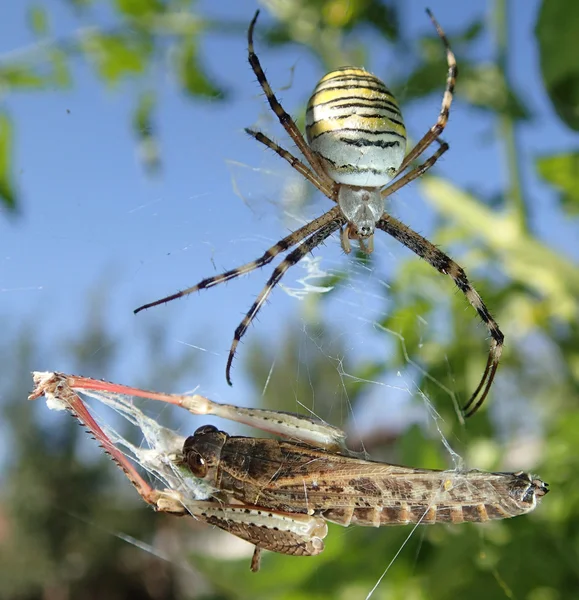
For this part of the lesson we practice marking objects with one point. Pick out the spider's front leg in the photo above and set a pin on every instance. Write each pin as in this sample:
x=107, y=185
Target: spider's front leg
x=332, y=222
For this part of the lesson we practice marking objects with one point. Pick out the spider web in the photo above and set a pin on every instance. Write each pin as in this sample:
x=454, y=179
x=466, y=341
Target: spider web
x=313, y=298
x=337, y=289
x=334, y=305
x=354, y=310
x=327, y=288
x=156, y=453
x=389, y=403
x=323, y=290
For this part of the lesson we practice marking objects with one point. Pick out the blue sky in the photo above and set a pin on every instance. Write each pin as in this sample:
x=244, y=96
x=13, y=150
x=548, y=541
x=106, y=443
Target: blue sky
x=90, y=216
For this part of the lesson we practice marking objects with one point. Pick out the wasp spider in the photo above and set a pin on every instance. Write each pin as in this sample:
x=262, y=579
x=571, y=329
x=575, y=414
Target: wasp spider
x=356, y=146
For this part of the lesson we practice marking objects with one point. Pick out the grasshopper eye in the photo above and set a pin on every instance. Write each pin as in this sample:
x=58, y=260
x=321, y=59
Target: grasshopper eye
x=197, y=464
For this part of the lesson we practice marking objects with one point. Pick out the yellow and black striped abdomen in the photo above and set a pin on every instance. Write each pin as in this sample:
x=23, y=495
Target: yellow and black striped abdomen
x=354, y=125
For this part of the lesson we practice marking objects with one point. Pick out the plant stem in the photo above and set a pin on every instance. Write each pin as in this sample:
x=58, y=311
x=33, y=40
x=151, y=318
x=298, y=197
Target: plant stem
x=514, y=195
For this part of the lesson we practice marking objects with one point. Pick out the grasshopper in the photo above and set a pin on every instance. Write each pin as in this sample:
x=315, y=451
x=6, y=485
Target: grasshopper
x=279, y=495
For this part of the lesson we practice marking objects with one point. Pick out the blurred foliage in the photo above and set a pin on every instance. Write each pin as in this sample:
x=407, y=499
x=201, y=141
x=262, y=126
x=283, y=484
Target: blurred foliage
x=562, y=172
x=144, y=129
x=62, y=516
x=7, y=193
x=556, y=33
x=144, y=34
x=532, y=289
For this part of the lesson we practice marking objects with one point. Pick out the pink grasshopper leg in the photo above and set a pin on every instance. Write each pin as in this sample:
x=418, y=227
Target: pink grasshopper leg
x=301, y=427
x=58, y=392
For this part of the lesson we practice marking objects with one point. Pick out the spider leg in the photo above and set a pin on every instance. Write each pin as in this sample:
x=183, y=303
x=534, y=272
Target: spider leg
x=442, y=263
x=290, y=240
x=291, y=259
x=442, y=120
x=285, y=120
x=417, y=172
x=297, y=164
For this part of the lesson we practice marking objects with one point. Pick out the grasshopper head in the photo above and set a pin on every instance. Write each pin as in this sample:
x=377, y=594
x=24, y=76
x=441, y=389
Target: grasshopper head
x=202, y=451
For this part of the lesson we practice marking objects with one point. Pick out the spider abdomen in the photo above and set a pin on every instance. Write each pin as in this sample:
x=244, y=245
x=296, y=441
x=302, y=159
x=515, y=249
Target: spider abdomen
x=354, y=124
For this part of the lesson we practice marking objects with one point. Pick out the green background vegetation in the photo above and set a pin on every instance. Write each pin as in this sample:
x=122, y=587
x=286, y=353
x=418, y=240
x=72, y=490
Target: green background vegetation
x=50, y=492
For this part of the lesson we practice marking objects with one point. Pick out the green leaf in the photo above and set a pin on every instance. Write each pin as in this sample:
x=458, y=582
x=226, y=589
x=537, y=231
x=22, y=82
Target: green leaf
x=38, y=19
x=381, y=16
x=20, y=77
x=562, y=172
x=472, y=32
x=486, y=87
x=118, y=56
x=60, y=70
x=139, y=8
x=422, y=81
x=191, y=74
x=145, y=132
x=480, y=85
x=7, y=193
x=405, y=320
x=557, y=31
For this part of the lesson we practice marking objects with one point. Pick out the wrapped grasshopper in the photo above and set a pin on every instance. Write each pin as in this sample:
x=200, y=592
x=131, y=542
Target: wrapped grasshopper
x=278, y=495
